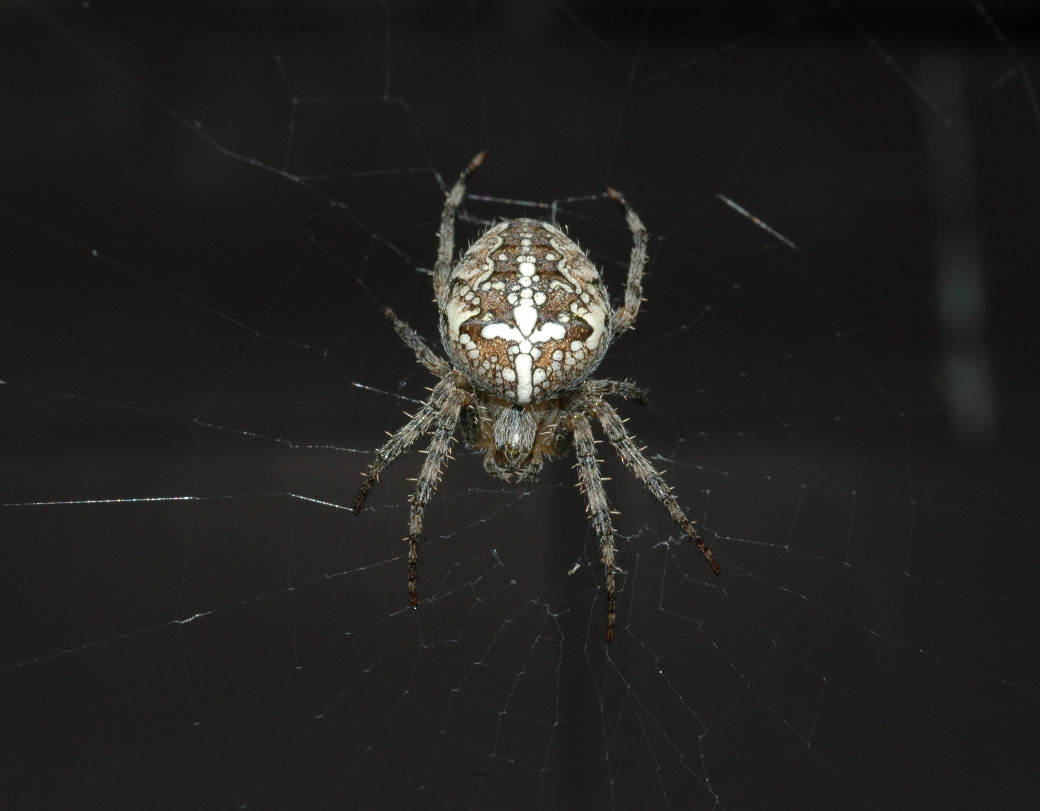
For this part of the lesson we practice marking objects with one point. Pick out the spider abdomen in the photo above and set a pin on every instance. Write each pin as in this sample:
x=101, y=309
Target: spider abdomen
x=525, y=314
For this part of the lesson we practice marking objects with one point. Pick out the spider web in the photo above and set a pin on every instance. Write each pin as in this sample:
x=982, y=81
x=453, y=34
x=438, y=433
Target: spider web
x=204, y=211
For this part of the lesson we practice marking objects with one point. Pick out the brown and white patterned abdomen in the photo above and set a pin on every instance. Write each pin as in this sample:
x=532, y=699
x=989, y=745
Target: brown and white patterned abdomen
x=525, y=315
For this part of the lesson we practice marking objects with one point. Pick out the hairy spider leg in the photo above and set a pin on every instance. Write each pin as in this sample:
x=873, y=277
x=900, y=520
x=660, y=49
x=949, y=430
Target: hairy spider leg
x=593, y=391
x=423, y=353
x=599, y=512
x=426, y=485
x=625, y=316
x=614, y=429
x=446, y=236
x=442, y=397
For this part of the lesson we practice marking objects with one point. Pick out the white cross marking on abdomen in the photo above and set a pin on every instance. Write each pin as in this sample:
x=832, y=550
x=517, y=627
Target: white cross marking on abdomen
x=525, y=335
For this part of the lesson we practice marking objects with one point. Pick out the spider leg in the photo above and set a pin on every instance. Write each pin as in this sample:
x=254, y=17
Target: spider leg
x=446, y=236
x=622, y=441
x=470, y=422
x=599, y=512
x=625, y=316
x=426, y=356
x=426, y=485
x=404, y=439
x=593, y=391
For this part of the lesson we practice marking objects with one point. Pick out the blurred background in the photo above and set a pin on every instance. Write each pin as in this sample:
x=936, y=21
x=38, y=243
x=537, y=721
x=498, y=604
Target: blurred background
x=204, y=208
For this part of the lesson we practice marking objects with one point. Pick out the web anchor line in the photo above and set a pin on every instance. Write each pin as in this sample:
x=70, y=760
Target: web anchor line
x=764, y=226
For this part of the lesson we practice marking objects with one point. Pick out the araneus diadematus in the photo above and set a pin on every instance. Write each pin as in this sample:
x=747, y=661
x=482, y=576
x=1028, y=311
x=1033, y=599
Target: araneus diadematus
x=525, y=319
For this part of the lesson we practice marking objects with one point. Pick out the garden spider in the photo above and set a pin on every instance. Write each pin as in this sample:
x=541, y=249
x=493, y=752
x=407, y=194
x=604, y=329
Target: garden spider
x=525, y=319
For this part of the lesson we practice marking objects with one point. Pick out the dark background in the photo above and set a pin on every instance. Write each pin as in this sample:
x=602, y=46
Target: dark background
x=203, y=209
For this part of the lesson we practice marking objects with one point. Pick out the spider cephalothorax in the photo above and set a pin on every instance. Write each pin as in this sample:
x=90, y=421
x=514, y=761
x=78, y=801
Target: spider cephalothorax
x=525, y=319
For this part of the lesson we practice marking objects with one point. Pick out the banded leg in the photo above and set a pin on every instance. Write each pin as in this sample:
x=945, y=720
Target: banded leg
x=446, y=236
x=426, y=485
x=625, y=316
x=426, y=356
x=599, y=511
x=630, y=454
x=593, y=391
x=404, y=439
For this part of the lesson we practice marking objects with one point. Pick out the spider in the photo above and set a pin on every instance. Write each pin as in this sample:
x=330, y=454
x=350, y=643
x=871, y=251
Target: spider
x=525, y=320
